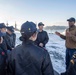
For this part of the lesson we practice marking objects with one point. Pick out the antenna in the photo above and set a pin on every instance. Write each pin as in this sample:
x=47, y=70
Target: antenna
x=7, y=23
x=15, y=25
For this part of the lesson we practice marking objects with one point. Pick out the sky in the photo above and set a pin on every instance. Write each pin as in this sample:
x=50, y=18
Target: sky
x=50, y=12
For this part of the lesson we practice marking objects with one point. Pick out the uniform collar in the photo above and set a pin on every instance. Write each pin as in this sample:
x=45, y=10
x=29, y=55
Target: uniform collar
x=40, y=31
x=8, y=34
x=28, y=42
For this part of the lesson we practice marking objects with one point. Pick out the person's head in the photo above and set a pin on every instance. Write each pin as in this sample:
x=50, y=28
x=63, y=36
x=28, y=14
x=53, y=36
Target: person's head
x=10, y=30
x=2, y=27
x=1, y=37
x=40, y=25
x=71, y=22
x=28, y=31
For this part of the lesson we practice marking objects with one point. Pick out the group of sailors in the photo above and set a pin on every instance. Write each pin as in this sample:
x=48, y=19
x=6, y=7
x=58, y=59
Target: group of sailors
x=31, y=57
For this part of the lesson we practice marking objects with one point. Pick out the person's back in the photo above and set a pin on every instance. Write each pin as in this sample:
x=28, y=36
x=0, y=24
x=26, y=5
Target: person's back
x=30, y=59
x=27, y=58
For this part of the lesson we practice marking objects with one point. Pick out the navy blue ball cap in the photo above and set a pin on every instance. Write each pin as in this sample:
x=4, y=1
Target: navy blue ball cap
x=71, y=19
x=2, y=25
x=10, y=28
x=40, y=24
x=28, y=28
x=1, y=34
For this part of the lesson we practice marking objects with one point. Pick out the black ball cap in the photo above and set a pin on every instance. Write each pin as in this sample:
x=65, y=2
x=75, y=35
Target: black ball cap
x=71, y=19
x=10, y=28
x=40, y=24
x=28, y=28
x=2, y=25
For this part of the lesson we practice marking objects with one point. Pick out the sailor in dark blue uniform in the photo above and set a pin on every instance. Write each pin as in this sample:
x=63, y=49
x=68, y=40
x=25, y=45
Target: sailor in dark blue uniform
x=3, y=56
x=42, y=37
x=27, y=58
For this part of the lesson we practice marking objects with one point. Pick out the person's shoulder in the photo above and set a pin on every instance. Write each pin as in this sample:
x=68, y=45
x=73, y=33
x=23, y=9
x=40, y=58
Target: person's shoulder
x=40, y=50
x=17, y=48
x=44, y=31
x=43, y=51
x=6, y=36
x=14, y=34
x=14, y=52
